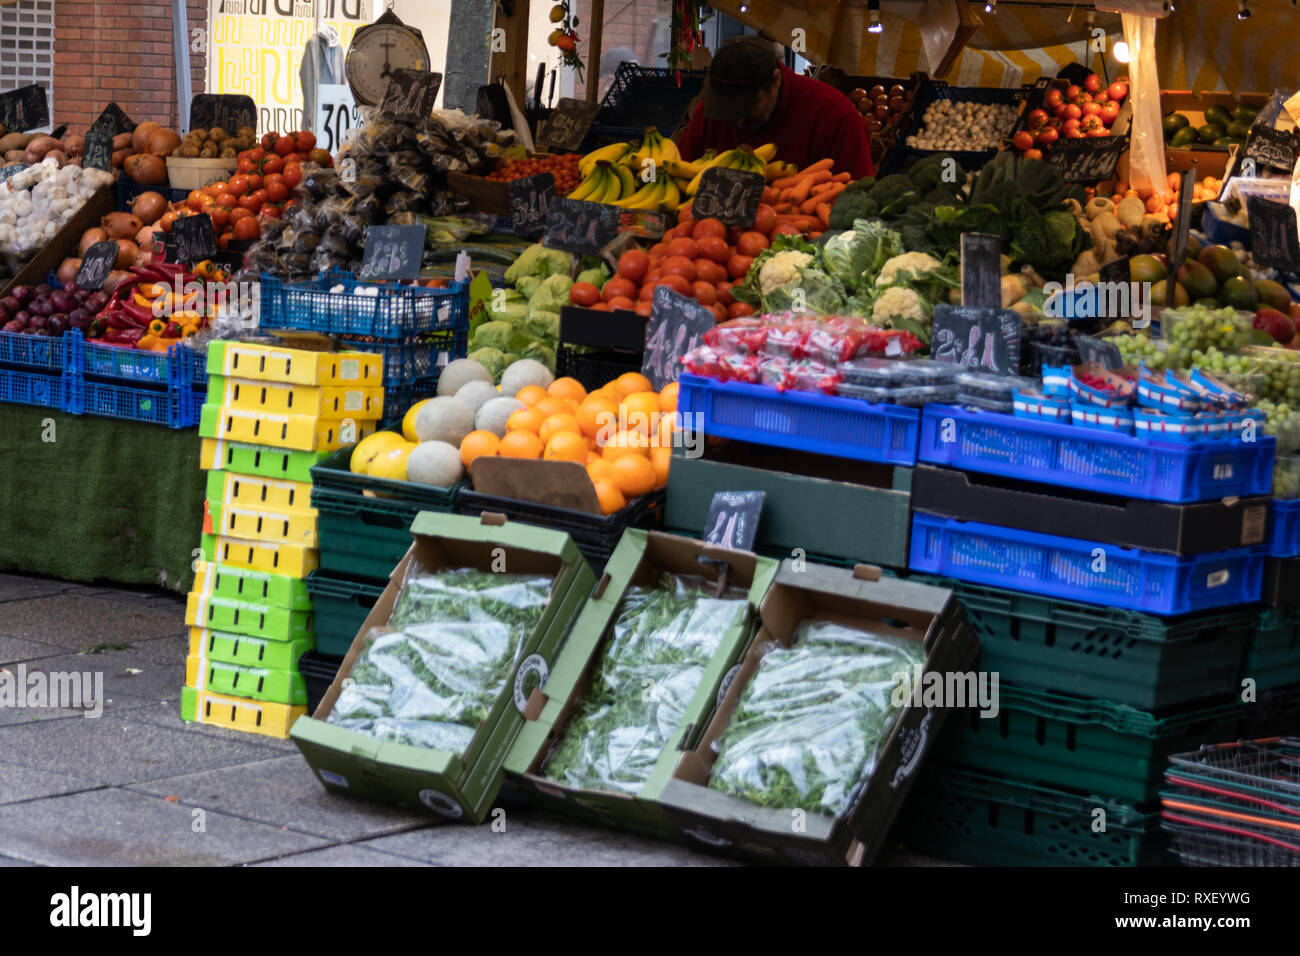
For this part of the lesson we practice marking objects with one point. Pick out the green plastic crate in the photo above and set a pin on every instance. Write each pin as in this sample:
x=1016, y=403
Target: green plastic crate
x=1081, y=743
x=261, y=460
x=988, y=821
x=341, y=608
x=1273, y=658
x=253, y=683
x=248, y=651
x=1141, y=660
x=258, y=587
x=245, y=617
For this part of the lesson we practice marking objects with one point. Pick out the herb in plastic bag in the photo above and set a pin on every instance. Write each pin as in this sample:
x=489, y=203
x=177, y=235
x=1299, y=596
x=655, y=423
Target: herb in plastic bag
x=809, y=726
x=433, y=680
x=663, y=639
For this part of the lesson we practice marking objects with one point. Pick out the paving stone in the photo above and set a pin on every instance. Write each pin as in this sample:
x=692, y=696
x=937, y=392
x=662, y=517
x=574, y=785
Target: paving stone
x=24, y=783
x=20, y=587
x=78, y=622
x=12, y=650
x=114, y=827
x=122, y=689
x=285, y=792
x=346, y=855
x=170, y=716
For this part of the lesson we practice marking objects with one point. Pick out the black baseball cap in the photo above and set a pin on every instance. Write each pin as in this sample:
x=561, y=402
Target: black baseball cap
x=741, y=68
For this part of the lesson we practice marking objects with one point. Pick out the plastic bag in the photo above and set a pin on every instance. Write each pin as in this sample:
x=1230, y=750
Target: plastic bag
x=808, y=728
x=453, y=637
x=663, y=638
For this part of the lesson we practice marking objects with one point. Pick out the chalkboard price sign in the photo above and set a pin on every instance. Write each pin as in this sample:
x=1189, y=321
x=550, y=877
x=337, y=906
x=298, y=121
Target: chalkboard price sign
x=733, y=519
x=195, y=240
x=567, y=126
x=981, y=270
x=411, y=94
x=1087, y=160
x=1273, y=238
x=581, y=227
x=393, y=252
x=98, y=150
x=1272, y=148
x=1117, y=271
x=1182, y=221
x=530, y=202
x=230, y=111
x=96, y=264
x=677, y=325
x=113, y=121
x=983, y=339
x=1105, y=353
x=731, y=195
x=27, y=107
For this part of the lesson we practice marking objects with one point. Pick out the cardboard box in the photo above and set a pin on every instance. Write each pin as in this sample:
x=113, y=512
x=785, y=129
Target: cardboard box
x=249, y=651
x=738, y=827
x=239, y=713
x=276, y=557
x=1150, y=525
x=454, y=785
x=231, y=489
x=639, y=559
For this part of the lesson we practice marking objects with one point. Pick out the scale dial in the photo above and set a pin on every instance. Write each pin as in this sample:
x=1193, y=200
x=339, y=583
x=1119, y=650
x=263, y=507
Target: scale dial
x=387, y=44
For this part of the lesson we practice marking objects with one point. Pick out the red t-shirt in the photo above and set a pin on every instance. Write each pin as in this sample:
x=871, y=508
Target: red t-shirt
x=812, y=121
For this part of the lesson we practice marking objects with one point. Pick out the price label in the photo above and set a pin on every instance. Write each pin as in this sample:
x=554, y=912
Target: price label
x=336, y=116
x=530, y=203
x=411, y=94
x=1087, y=160
x=113, y=121
x=229, y=111
x=195, y=240
x=1274, y=241
x=983, y=339
x=731, y=195
x=733, y=519
x=98, y=150
x=677, y=325
x=1272, y=148
x=566, y=128
x=981, y=270
x=582, y=227
x=393, y=252
x=96, y=264
x=27, y=107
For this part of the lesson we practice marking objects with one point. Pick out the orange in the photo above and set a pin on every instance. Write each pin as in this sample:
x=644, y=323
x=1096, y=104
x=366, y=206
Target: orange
x=664, y=436
x=661, y=458
x=640, y=411
x=599, y=469
x=550, y=406
x=476, y=443
x=668, y=398
x=592, y=456
x=630, y=382
x=520, y=444
x=610, y=498
x=567, y=387
x=526, y=420
x=633, y=475
x=596, y=412
x=573, y=406
x=531, y=394
x=624, y=444
x=566, y=446
x=555, y=424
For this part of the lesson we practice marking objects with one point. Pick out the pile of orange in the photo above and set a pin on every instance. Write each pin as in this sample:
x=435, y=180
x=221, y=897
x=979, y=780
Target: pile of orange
x=622, y=432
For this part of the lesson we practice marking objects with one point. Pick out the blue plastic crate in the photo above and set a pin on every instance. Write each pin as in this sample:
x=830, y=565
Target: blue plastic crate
x=1086, y=571
x=177, y=365
x=399, y=398
x=175, y=407
x=34, y=388
x=1283, y=528
x=395, y=312
x=409, y=360
x=38, y=351
x=843, y=427
x=1087, y=458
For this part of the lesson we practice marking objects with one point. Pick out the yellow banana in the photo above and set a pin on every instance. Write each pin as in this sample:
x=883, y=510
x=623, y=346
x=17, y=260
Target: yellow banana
x=613, y=186
x=671, y=197
x=766, y=152
x=591, y=183
x=647, y=197
x=627, y=181
x=680, y=170
x=613, y=152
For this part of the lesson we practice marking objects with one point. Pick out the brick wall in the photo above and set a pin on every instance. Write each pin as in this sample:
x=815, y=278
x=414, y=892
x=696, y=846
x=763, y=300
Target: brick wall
x=122, y=53
x=628, y=24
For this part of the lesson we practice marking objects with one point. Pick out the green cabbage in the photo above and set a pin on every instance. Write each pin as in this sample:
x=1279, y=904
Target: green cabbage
x=856, y=256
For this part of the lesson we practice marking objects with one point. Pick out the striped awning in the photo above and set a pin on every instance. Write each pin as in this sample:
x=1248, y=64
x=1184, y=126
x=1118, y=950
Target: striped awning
x=1203, y=46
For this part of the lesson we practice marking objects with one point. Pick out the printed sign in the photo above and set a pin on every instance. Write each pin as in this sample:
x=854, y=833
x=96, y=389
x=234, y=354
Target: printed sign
x=337, y=116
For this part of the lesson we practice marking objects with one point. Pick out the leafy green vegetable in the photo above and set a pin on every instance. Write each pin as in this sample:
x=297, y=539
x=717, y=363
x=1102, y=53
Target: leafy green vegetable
x=856, y=256
x=540, y=261
x=432, y=680
x=808, y=728
x=790, y=276
x=662, y=640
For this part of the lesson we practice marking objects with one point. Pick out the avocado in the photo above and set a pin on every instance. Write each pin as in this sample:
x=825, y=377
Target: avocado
x=1173, y=123
x=1210, y=132
x=1193, y=247
x=1184, y=137
x=1239, y=293
x=1197, y=280
x=1245, y=114
x=1159, y=294
x=1237, y=130
x=1146, y=268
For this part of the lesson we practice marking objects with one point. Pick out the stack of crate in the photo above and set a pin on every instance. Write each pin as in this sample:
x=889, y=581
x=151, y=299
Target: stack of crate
x=272, y=414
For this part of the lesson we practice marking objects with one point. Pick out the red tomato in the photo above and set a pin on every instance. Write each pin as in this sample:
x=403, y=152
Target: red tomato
x=618, y=288
x=268, y=141
x=738, y=309
x=677, y=283
x=785, y=229
x=211, y=190
x=658, y=250
x=708, y=227
x=719, y=311
x=1117, y=91
x=684, y=214
x=223, y=241
x=633, y=264
x=273, y=178
x=704, y=293
x=238, y=213
x=713, y=247
x=751, y=244
x=246, y=165
x=679, y=266
x=293, y=158
x=602, y=307
x=272, y=164
x=271, y=212
x=1033, y=154
x=709, y=271
x=285, y=145
x=643, y=306
x=261, y=196
x=683, y=247
x=647, y=291
x=738, y=266
x=220, y=217
x=195, y=200
x=292, y=174
x=765, y=220
x=276, y=192
x=254, y=182
x=652, y=276
x=1023, y=140
x=306, y=141
x=247, y=229
x=622, y=302
x=250, y=202
x=724, y=293
x=584, y=293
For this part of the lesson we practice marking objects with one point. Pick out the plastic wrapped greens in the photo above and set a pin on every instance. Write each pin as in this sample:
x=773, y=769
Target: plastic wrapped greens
x=809, y=726
x=454, y=637
x=663, y=638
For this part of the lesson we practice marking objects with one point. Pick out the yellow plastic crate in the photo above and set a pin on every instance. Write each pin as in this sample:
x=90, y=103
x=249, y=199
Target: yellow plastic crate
x=292, y=525
x=239, y=713
x=228, y=488
x=277, y=557
x=300, y=432
x=332, y=402
x=274, y=363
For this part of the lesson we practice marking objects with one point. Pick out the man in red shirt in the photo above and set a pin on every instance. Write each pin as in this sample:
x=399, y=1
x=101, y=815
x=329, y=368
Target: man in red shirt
x=751, y=97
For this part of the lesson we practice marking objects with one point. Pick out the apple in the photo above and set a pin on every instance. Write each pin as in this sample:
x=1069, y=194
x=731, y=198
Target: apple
x=1047, y=136
x=1072, y=111
x=1093, y=83
x=1109, y=112
x=1118, y=91
x=1023, y=140
x=1275, y=323
x=1053, y=99
x=1090, y=109
x=1036, y=118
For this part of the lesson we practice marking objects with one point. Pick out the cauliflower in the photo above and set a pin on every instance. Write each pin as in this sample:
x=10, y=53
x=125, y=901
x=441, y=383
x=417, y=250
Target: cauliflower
x=782, y=269
x=899, y=302
x=917, y=263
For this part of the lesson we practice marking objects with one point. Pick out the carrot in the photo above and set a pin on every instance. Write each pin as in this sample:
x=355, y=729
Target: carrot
x=815, y=233
x=823, y=187
x=841, y=178
x=800, y=192
x=821, y=164
x=819, y=176
x=799, y=222
x=826, y=197
x=824, y=213
x=785, y=182
x=769, y=195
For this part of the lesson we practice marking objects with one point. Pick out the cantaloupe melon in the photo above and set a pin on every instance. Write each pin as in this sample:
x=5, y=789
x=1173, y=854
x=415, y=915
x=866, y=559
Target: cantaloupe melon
x=444, y=419
x=435, y=463
x=370, y=446
x=477, y=394
x=459, y=373
x=524, y=372
x=494, y=413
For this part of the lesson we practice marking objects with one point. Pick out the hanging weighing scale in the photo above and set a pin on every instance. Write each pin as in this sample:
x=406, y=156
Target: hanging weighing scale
x=377, y=50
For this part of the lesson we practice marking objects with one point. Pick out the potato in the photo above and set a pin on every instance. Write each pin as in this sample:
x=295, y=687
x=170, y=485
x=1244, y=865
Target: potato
x=189, y=151
x=217, y=134
x=12, y=141
x=229, y=152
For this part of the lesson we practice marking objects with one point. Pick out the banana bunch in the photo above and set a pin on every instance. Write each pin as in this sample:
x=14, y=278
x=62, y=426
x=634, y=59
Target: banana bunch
x=617, y=185
x=742, y=157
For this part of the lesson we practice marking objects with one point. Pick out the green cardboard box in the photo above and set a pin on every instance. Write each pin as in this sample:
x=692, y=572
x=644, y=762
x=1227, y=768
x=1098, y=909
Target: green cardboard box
x=641, y=556
x=860, y=596
x=458, y=786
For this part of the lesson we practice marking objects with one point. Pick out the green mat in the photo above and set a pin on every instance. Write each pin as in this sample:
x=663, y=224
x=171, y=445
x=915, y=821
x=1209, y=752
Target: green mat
x=95, y=499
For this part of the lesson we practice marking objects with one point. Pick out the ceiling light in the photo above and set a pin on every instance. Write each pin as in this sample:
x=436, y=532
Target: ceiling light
x=744, y=8
x=873, y=19
x=1243, y=11
x=1120, y=49
x=991, y=6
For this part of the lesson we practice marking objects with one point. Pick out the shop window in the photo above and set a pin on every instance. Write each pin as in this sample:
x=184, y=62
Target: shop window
x=27, y=45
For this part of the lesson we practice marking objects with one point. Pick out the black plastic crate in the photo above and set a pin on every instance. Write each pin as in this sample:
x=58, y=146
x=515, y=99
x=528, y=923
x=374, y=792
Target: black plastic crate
x=902, y=157
x=597, y=347
x=318, y=672
x=644, y=96
x=594, y=367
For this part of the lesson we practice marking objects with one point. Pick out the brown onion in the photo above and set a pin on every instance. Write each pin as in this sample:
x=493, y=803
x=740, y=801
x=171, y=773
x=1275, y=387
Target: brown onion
x=115, y=279
x=91, y=236
x=140, y=138
x=145, y=169
x=149, y=207
x=67, y=271
x=162, y=142
x=119, y=157
x=144, y=238
x=121, y=141
x=127, y=251
x=121, y=225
